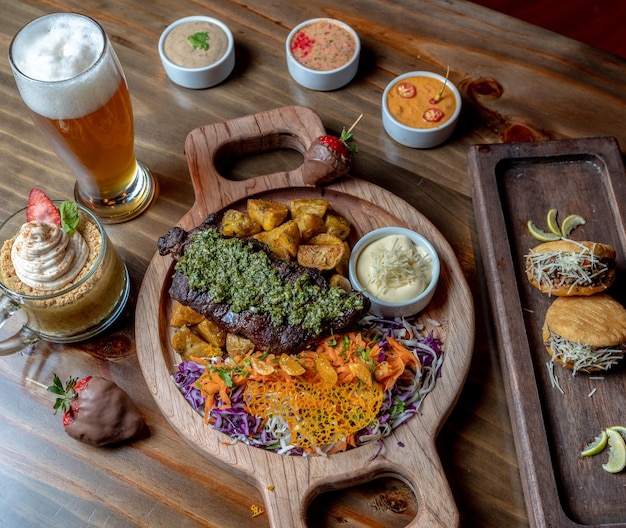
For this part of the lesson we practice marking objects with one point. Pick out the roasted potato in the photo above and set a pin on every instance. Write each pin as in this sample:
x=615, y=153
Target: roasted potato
x=184, y=316
x=239, y=224
x=344, y=263
x=321, y=257
x=309, y=225
x=340, y=281
x=267, y=213
x=316, y=206
x=211, y=332
x=236, y=344
x=188, y=344
x=283, y=240
x=325, y=239
x=337, y=225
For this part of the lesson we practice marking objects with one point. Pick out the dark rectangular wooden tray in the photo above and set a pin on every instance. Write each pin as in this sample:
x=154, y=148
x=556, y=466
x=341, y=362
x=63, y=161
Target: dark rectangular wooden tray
x=514, y=183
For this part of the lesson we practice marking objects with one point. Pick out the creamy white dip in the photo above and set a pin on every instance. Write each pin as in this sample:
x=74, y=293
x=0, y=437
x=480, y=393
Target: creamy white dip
x=394, y=269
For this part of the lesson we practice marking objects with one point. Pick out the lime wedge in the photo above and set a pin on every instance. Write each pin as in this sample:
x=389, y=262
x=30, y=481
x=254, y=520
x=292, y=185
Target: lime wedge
x=570, y=223
x=596, y=445
x=620, y=429
x=617, y=452
x=553, y=224
x=541, y=235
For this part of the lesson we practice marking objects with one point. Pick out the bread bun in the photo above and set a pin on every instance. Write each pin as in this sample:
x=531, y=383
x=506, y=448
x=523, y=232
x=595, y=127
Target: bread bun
x=585, y=333
x=563, y=268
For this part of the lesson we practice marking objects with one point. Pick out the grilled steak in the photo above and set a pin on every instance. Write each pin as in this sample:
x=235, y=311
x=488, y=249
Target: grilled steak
x=269, y=329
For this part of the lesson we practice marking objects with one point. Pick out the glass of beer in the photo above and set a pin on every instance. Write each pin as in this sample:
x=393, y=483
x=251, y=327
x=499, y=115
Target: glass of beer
x=70, y=78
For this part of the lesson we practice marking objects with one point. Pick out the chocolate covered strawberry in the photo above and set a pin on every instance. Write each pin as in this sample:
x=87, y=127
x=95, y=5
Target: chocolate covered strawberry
x=329, y=157
x=96, y=411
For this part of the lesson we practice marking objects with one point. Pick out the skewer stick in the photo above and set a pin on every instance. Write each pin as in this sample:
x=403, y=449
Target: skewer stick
x=445, y=82
x=355, y=123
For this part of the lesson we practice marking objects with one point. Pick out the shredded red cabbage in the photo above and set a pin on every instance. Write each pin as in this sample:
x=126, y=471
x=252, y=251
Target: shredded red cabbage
x=399, y=403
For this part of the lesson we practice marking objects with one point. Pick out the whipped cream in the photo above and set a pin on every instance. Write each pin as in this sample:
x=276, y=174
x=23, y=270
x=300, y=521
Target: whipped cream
x=46, y=257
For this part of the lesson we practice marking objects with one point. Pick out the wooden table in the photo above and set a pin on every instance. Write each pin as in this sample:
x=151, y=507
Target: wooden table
x=518, y=83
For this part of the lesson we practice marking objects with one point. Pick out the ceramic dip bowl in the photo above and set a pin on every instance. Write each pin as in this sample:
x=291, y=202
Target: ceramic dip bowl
x=417, y=113
x=197, y=52
x=411, y=271
x=323, y=54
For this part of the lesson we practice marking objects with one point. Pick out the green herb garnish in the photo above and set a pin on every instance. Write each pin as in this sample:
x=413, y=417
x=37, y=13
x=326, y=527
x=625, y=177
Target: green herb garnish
x=69, y=216
x=199, y=40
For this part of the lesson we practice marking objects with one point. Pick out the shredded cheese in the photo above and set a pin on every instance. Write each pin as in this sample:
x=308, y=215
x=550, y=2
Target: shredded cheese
x=399, y=267
x=583, y=357
x=561, y=268
x=554, y=379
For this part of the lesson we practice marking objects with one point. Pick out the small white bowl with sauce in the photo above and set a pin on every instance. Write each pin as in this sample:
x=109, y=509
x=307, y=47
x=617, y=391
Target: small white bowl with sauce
x=411, y=114
x=397, y=269
x=323, y=54
x=197, y=52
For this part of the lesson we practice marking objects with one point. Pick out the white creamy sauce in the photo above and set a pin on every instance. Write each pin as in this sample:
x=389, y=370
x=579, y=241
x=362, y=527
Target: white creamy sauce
x=394, y=269
x=46, y=258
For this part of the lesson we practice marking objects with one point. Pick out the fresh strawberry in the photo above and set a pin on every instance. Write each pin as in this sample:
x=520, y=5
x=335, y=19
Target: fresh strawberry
x=329, y=157
x=41, y=208
x=96, y=411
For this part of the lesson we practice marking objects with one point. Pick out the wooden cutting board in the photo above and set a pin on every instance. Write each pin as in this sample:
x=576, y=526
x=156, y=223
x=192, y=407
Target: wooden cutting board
x=288, y=484
x=514, y=183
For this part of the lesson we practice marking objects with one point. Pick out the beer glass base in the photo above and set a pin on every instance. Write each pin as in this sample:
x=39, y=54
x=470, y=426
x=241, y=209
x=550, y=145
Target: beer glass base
x=134, y=201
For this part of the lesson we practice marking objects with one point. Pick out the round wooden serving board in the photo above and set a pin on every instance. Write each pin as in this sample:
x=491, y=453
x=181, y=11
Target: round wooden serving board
x=288, y=484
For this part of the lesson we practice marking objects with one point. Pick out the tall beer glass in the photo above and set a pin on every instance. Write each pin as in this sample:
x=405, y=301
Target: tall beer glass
x=70, y=79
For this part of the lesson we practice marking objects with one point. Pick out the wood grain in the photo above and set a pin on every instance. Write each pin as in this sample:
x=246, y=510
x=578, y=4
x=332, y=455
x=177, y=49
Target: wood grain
x=367, y=207
x=583, y=177
x=517, y=82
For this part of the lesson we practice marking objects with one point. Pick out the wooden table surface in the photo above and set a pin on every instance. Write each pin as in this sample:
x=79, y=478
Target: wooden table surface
x=518, y=83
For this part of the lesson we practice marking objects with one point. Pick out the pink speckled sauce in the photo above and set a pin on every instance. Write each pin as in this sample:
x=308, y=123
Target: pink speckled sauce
x=323, y=46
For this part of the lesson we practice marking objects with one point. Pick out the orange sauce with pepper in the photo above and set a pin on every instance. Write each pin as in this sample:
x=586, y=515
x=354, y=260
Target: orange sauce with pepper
x=411, y=102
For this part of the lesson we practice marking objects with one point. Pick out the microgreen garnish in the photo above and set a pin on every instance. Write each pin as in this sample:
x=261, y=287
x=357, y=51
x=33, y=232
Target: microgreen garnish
x=69, y=216
x=199, y=40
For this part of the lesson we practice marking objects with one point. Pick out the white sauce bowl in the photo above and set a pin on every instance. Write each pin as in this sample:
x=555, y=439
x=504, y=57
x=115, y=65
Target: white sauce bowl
x=206, y=76
x=317, y=79
x=419, y=137
x=395, y=309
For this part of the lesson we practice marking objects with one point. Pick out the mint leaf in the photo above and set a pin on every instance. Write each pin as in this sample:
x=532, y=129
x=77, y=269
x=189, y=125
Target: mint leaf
x=69, y=216
x=199, y=40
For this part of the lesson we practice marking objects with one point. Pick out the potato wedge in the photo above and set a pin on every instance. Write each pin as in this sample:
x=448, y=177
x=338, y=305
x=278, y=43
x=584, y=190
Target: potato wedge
x=316, y=206
x=267, y=213
x=211, y=332
x=184, y=316
x=337, y=225
x=344, y=263
x=188, y=344
x=239, y=224
x=321, y=257
x=309, y=225
x=325, y=239
x=283, y=240
x=236, y=344
x=340, y=281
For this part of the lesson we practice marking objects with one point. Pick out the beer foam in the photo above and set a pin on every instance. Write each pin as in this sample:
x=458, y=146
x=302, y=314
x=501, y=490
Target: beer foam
x=62, y=70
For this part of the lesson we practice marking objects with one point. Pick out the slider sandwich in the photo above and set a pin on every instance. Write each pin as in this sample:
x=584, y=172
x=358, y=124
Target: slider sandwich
x=585, y=334
x=567, y=267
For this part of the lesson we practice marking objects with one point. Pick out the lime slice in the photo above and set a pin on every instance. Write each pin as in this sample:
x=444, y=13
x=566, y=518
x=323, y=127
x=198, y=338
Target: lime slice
x=553, y=225
x=596, y=445
x=570, y=223
x=541, y=235
x=620, y=429
x=617, y=452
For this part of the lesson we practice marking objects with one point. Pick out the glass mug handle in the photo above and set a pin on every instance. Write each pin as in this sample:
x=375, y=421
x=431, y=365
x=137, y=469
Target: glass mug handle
x=13, y=325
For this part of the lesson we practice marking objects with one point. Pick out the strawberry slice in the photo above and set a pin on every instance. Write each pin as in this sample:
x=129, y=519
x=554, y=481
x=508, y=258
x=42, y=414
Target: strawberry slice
x=41, y=208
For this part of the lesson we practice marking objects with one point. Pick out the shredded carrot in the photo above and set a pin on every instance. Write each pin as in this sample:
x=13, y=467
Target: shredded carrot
x=363, y=372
